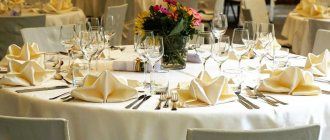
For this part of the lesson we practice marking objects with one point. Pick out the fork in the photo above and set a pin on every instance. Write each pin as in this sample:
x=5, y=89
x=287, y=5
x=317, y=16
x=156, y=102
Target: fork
x=162, y=98
x=168, y=98
x=174, y=100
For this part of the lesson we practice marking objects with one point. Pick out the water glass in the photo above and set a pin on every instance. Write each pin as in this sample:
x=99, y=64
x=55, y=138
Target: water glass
x=160, y=82
x=219, y=25
x=239, y=43
x=79, y=72
x=282, y=58
x=220, y=50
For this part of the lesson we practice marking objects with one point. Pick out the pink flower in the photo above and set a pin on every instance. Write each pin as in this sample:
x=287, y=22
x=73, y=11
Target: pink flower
x=197, y=17
x=161, y=9
x=171, y=2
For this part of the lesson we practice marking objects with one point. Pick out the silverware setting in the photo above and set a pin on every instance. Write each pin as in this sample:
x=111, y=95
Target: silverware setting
x=267, y=98
x=67, y=98
x=168, y=98
x=245, y=102
x=135, y=101
x=41, y=89
x=141, y=102
x=58, y=96
x=162, y=98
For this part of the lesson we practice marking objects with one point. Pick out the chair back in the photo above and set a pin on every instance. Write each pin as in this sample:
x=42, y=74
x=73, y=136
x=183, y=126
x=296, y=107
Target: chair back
x=322, y=41
x=189, y=3
x=24, y=128
x=116, y=12
x=48, y=38
x=258, y=9
x=309, y=132
x=219, y=5
x=10, y=27
x=314, y=26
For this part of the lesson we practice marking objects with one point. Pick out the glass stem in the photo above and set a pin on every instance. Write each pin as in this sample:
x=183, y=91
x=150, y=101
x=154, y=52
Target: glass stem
x=145, y=70
x=151, y=77
x=204, y=63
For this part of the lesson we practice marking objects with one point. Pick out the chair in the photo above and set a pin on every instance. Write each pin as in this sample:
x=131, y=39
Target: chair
x=10, y=29
x=321, y=41
x=189, y=3
x=116, y=12
x=48, y=38
x=258, y=10
x=314, y=26
x=309, y=132
x=24, y=128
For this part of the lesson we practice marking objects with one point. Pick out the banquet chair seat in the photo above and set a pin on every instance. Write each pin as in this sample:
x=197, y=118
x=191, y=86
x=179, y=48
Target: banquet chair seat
x=308, y=132
x=48, y=38
x=117, y=12
x=10, y=27
x=258, y=11
x=26, y=128
x=321, y=41
x=314, y=26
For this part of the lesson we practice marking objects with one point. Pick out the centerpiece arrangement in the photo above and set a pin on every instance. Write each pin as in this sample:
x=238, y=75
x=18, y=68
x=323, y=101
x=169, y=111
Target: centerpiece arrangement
x=176, y=24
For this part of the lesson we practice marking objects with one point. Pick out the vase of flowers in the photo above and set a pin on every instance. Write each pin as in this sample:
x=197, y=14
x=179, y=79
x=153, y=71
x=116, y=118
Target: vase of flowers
x=176, y=24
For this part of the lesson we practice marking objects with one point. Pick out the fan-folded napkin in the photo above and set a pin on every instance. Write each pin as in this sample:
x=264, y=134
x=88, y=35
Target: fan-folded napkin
x=26, y=53
x=28, y=73
x=319, y=65
x=105, y=88
x=59, y=6
x=204, y=91
x=292, y=81
x=310, y=8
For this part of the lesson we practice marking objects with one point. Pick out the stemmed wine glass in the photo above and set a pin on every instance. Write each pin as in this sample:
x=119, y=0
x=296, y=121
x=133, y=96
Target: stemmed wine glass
x=88, y=45
x=265, y=37
x=204, y=43
x=140, y=49
x=154, y=51
x=220, y=50
x=251, y=26
x=219, y=24
x=68, y=38
x=239, y=43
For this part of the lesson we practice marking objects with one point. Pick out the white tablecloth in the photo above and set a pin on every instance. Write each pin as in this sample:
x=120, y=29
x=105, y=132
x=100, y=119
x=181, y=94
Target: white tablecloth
x=297, y=30
x=105, y=121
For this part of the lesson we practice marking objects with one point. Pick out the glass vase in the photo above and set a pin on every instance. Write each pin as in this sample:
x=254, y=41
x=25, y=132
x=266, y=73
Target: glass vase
x=175, y=52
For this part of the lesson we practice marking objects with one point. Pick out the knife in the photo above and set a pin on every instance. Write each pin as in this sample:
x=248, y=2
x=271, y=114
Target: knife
x=41, y=89
x=144, y=99
x=138, y=99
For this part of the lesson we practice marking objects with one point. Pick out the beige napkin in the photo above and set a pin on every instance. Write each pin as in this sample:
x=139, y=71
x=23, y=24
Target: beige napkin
x=26, y=53
x=28, y=73
x=319, y=65
x=204, y=91
x=309, y=8
x=15, y=2
x=292, y=81
x=59, y=6
x=105, y=88
x=3, y=8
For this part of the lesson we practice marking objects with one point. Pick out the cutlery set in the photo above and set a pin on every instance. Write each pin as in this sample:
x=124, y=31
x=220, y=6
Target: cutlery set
x=143, y=98
x=267, y=98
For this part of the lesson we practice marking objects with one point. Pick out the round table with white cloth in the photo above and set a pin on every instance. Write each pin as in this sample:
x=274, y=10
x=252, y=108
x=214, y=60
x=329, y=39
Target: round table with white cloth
x=105, y=121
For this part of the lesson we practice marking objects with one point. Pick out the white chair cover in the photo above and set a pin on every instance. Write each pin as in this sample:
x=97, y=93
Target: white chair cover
x=117, y=12
x=258, y=10
x=309, y=132
x=24, y=128
x=10, y=29
x=322, y=41
x=48, y=38
x=189, y=3
x=314, y=26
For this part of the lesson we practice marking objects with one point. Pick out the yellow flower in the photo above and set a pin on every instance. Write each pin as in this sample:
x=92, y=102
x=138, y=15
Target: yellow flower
x=139, y=21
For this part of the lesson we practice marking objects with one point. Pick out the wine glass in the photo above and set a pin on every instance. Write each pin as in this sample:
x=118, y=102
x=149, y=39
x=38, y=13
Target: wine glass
x=68, y=38
x=154, y=50
x=265, y=37
x=219, y=24
x=251, y=26
x=88, y=46
x=140, y=49
x=220, y=50
x=239, y=43
x=95, y=23
x=204, y=43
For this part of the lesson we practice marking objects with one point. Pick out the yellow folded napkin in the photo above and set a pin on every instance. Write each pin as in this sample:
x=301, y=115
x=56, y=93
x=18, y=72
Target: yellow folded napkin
x=26, y=53
x=28, y=73
x=292, y=81
x=3, y=8
x=319, y=65
x=310, y=8
x=204, y=91
x=105, y=88
x=15, y=2
x=59, y=6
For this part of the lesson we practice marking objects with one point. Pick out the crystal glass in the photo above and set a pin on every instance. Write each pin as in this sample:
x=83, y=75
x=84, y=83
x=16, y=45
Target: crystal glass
x=265, y=37
x=88, y=46
x=251, y=26
x=69, y=38
x=204, y=42
x=239, y=43
x=219, y=24
x=95, y=23
x=154, y=51
x=220, y=50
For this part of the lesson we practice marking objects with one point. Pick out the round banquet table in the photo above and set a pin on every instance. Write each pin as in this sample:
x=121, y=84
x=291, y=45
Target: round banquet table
x=299, y=33
x=75, y=16
x=105, y=121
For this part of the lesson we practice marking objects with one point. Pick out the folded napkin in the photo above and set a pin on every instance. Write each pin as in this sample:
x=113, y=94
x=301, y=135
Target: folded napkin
x=3, y=8
x=26, y=53
x=319, y=65
x=15, y=2
x=105, y=88
x=204, y=91
x=310, y=8
x=28, y=73
x=274, y=44
x=59, y=6
x=292, y=81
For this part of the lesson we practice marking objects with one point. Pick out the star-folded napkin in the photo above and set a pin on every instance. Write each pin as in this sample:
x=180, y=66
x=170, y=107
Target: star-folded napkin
x=15, y=2
x=105, y=88
x=3, y=8
x=28, y=73
x=292, y=81
x=310, y=8
x=319, y=65
x=205, y=91
x=27, y=53
x=59, y=6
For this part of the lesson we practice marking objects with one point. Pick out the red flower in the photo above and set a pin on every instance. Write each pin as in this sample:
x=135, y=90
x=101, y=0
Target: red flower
x=197, y=17
x=161, y=9
x=171, y=2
